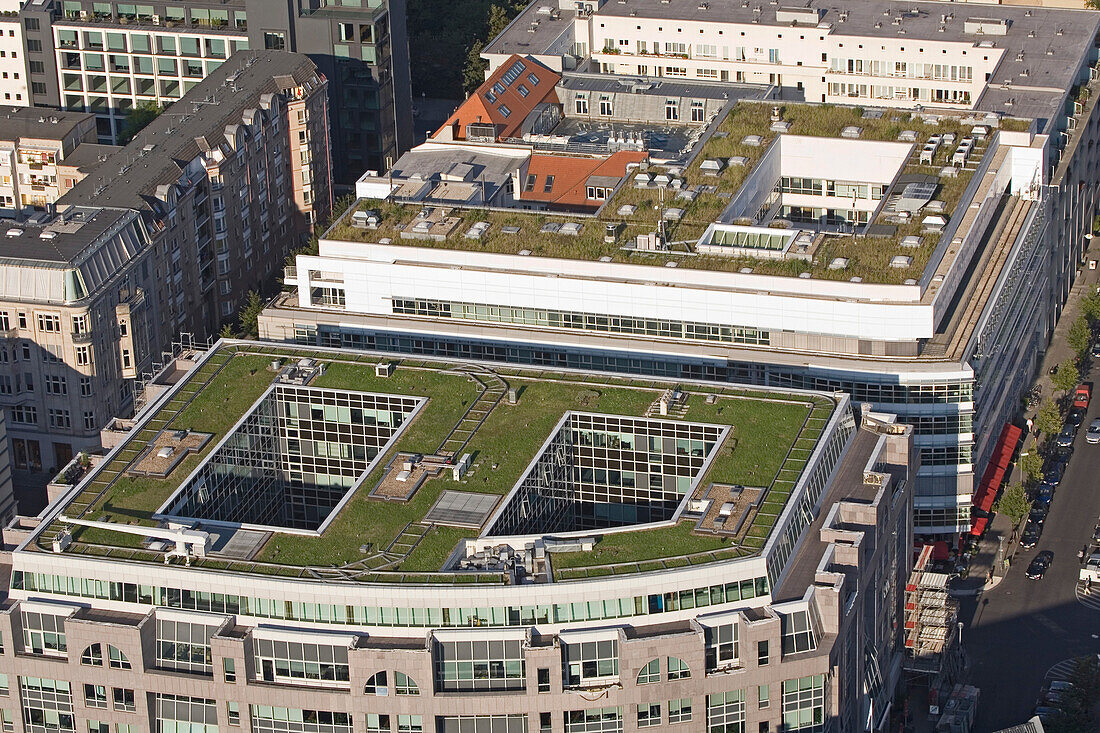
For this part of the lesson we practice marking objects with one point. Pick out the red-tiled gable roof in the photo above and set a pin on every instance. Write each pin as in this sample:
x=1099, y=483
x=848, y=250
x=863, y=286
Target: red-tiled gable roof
x=506, y=98
x=562, y=182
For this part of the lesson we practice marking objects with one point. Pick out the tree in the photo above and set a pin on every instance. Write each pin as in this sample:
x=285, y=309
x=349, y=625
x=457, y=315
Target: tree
x=1092, y=5
x=250, y=315
x=498, y=20
x=313, y=246
x=1048, y=420
x=227, y=331
x=1031, y=466
x=136, y=120
x=1013, y=503
x=1080, y=336
x=473, y=73
x=1076, y=704
x=1090, y=306
x=1067, y=376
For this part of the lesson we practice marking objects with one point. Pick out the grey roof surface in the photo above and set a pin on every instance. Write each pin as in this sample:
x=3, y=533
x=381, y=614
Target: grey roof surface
x=38, y=124
x=847, y=484
x=84, y=226
x=203, y=112
x=88, y=155
x=533, y=31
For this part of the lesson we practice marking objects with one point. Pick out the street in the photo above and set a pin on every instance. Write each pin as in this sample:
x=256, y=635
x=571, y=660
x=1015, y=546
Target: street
x=1020, y=628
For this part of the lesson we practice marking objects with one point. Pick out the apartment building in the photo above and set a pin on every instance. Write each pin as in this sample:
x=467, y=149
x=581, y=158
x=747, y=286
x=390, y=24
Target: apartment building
x=33, y=145
x=164, y=236
x=109, y=57
x=791, y=622
x=13, y=71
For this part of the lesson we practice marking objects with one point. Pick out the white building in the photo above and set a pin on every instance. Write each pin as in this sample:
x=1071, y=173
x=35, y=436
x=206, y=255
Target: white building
x=13, y=67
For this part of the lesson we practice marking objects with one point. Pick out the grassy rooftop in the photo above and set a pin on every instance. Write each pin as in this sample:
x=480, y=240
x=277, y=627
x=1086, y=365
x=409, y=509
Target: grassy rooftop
x=868, y=257
x=772, y=436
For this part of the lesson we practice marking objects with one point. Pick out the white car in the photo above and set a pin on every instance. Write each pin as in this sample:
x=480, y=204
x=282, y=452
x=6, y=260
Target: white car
x=1093, y=433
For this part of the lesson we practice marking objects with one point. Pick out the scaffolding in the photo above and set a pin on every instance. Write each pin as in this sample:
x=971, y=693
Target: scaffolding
x=930, y=620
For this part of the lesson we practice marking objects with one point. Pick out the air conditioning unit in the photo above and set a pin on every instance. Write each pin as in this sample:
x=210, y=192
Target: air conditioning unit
x=156, y=20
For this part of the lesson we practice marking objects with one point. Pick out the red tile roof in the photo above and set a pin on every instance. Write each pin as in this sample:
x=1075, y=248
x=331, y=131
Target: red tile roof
x=568, y=177
x=506, y=98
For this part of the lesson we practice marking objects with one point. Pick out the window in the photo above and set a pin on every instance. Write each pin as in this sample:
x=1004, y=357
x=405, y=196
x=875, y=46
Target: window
x=726, y=712
x=543, y=677
x=503, y=109
x=229, y=670
x=672, y=110
x=378, y=723
x=763, y=697
x=798, y=635
x=274, y=41
x=7, y=720
x=49, y=323
x=804, y=703
x=650, y=673
x=580, y=103
x=377, y=685
x=762, y=653
x=649, y=715
x=183, y=714
x=4, y=690
x=605, y=106
x=184, y=646
x=86, y=387
x=281, y=661
x=679, y=711
x=89, y=420
x=31, y=23
x=697, y=112
x=47, y=705
x=591, y=661
x=124, y=699
x=24, y=415
x=522, y=90
x=92, y=656
x=22, y=319
x=480, y=665
x=43, y=633
x=97, y=726
x=594, y=720
x=410, y=724
x=59, y=418
x=95, y=696
x=529, y=184
x=677, y=669
x=722, y=647
x=548, y=185
x=83, y=355
x=34, y=45
x=233, y=716
x=56, y=384
x=404, y=685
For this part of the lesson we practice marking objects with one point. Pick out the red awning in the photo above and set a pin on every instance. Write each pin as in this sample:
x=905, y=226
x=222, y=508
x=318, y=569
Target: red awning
x=978, y=526
x=986, y=491
x=940, y=550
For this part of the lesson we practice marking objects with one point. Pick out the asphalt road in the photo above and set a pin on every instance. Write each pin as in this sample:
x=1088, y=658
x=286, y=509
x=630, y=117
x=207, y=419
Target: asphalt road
x=1015, y=632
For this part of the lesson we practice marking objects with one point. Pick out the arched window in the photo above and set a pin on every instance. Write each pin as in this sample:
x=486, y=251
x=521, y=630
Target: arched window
x=116, y=659
x=404, y=685
x=377, y=685
x=678, y=669
x=650, y=673
x=92, y=656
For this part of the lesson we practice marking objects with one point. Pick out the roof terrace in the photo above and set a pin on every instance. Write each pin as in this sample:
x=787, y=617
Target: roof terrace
x=879, y=232
x=364, y=491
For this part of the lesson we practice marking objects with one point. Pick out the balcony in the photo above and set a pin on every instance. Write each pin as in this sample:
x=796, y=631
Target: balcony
x=82, y=338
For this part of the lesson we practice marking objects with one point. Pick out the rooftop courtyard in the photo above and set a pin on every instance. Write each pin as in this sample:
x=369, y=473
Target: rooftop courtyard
x=883, y=229
x=365, y=467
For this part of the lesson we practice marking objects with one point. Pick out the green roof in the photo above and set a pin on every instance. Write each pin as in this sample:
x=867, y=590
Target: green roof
x=466, y=412
x=868, y=256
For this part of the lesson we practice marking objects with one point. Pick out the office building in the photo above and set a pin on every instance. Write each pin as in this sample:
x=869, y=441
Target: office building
x=926, y=242
x=364, y=543
x=109, y=57
x=164, y=237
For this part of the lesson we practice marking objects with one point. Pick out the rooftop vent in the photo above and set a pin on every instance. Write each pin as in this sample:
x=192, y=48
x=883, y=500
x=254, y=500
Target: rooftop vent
x=14, y=233
x=794, y=15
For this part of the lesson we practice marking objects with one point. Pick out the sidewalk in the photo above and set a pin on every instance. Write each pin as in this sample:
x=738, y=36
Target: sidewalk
x=983, y=575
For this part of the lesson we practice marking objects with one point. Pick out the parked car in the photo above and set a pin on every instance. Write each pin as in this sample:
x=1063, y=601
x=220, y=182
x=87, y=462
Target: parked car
x=1096, y=350
x=1076, y=416
x=1064, y=441
x=1038, y=513
x=1055, y=468
x=1039, y=565
x=1092, y=435
x=1031, y=534
x=1096, y=533
x=1044, y=494
x=1082, y=395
